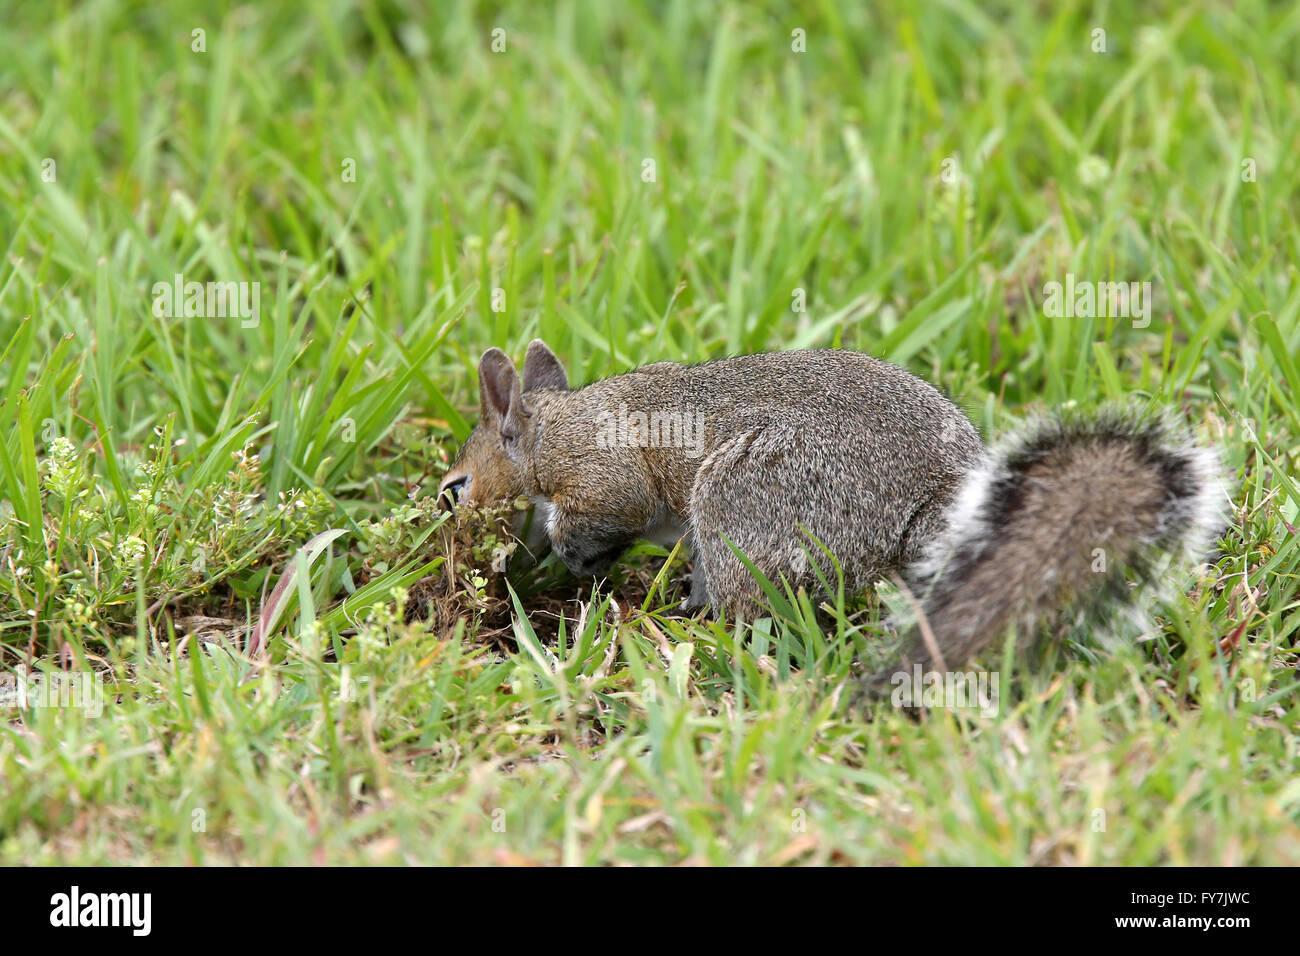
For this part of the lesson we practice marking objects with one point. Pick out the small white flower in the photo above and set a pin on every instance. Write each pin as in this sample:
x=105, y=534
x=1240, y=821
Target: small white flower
x=62, y=450
x=294, y=501
x=1093, y=170
x=131, y=551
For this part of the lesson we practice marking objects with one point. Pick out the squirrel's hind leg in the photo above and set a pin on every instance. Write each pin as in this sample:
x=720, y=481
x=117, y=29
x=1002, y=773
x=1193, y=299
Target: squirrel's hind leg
x=740, y=495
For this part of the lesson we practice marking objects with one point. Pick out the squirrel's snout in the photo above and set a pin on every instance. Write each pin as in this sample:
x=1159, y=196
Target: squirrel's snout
x=449, y=494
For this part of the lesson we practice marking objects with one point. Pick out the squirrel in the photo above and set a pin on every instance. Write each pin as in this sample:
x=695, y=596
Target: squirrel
x=790, y=458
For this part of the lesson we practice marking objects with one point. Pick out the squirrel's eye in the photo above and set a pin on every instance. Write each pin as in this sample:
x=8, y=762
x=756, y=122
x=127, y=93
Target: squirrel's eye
x=450, y=495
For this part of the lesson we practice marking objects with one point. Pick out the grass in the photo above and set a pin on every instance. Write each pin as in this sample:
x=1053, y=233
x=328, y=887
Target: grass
x=632, y=183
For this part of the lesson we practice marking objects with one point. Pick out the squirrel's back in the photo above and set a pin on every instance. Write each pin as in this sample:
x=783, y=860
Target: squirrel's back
x=819, y=381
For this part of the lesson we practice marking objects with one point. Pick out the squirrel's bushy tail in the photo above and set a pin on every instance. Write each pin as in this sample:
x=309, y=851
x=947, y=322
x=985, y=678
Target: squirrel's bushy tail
x=1059, y=517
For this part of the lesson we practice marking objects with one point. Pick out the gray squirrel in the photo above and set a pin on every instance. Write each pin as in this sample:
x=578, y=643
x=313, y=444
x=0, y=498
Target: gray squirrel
x=791, y=457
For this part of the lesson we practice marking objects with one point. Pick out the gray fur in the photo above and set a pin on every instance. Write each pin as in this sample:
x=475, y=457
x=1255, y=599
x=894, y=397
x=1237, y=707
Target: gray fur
x=871, y=461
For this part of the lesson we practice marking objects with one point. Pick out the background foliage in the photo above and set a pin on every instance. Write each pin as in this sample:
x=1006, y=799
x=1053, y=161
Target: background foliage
x=158, y=476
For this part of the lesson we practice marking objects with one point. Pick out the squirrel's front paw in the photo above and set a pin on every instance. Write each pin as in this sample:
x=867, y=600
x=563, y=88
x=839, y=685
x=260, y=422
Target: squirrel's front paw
x=587, y=559
x=587, y=545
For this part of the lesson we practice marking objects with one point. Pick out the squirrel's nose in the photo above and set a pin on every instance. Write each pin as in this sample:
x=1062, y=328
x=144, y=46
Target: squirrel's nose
x=452, y=488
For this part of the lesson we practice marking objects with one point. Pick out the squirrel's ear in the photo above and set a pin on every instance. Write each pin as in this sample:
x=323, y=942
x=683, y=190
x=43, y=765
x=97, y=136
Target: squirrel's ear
x=542, y=369
x=499, y=398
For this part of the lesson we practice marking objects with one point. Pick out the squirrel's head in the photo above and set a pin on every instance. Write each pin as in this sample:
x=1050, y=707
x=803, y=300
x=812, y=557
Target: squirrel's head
x=494, y=463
